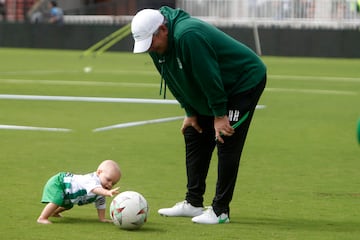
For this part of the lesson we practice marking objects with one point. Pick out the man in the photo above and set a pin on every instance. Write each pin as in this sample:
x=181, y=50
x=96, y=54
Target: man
x=56, y=14
x=218, y=81
x=2, y=10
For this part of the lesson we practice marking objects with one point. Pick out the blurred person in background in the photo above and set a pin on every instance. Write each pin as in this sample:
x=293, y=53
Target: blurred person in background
x=56, y=13
x=2, y=10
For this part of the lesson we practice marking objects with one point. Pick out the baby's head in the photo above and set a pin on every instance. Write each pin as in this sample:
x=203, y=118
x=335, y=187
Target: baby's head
x=109, y=173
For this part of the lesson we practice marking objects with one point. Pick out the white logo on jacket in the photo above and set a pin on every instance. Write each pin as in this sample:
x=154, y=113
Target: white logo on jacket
x=179, y=63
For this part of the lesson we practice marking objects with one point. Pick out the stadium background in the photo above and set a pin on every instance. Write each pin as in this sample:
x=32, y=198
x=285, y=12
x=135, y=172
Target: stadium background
x=314, y=28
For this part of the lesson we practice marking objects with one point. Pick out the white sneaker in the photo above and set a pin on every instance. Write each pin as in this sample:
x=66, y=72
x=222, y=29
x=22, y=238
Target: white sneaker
x=181, y=209
x=209, y=217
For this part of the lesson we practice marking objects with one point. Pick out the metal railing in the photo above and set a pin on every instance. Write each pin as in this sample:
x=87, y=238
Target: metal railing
x=337, y=14
x=273, y=9
x=297, y=13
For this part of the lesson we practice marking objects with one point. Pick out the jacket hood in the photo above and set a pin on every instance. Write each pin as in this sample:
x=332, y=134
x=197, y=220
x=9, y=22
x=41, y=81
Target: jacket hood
x=173, y=16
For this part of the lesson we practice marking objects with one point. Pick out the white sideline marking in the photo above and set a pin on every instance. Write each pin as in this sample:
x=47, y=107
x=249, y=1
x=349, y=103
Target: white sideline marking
x=151, y=85
x=79, y=83
x=93, y=99
x=36, y=72
x=312, y=78
x=316, y=91
x=138, y=123
x=15, y=127
x=41, y=72
x=86, y=99
x=150, y=72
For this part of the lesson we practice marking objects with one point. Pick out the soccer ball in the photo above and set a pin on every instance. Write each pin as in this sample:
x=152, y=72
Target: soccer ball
x=129, y=210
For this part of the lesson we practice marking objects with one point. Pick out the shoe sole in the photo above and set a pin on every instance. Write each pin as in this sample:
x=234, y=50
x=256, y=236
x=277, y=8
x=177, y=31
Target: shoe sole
x=220, y=222
x=164, y=215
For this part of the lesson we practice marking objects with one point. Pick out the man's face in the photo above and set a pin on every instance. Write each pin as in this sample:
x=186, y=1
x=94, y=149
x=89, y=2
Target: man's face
x=160, y=40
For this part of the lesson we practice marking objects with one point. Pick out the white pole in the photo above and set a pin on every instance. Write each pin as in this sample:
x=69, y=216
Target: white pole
x=257, y=39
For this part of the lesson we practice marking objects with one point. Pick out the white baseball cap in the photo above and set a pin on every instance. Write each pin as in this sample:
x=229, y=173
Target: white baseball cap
x=143, y=26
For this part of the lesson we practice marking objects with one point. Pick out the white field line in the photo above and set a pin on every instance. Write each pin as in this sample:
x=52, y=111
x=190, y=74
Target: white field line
x=16, y=127
x=154, y=73
x=129, y=100
x=79, y=83
x=37, y=72
x=86, y=99
x=93, y=99
x=314, y=91
x=316, y=78
x=138, y=123
x=153, y=85
x=132, y=84
x=281, y=77
x=42, y=72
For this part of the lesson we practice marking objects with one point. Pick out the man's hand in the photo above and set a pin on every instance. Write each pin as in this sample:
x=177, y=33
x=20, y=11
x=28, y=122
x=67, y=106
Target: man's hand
x=222, y=128
x=190, y=122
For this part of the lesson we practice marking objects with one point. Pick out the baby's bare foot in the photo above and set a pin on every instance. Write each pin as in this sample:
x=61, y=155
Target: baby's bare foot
x=44, y=221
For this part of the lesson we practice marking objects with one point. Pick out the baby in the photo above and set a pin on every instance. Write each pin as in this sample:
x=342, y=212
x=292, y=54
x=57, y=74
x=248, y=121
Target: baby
x=65, y=189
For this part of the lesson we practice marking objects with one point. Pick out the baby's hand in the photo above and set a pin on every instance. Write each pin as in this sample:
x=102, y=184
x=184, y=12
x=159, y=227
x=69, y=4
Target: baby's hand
x=114, y=191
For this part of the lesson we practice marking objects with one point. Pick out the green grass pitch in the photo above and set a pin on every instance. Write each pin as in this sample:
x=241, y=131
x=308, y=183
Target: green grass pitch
x=299, y=174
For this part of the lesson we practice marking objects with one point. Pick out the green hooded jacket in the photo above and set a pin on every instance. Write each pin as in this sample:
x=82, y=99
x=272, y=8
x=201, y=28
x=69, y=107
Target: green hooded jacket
x=203, y=66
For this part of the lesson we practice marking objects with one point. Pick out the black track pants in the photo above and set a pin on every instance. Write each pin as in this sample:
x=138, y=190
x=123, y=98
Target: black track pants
x=200, y=147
